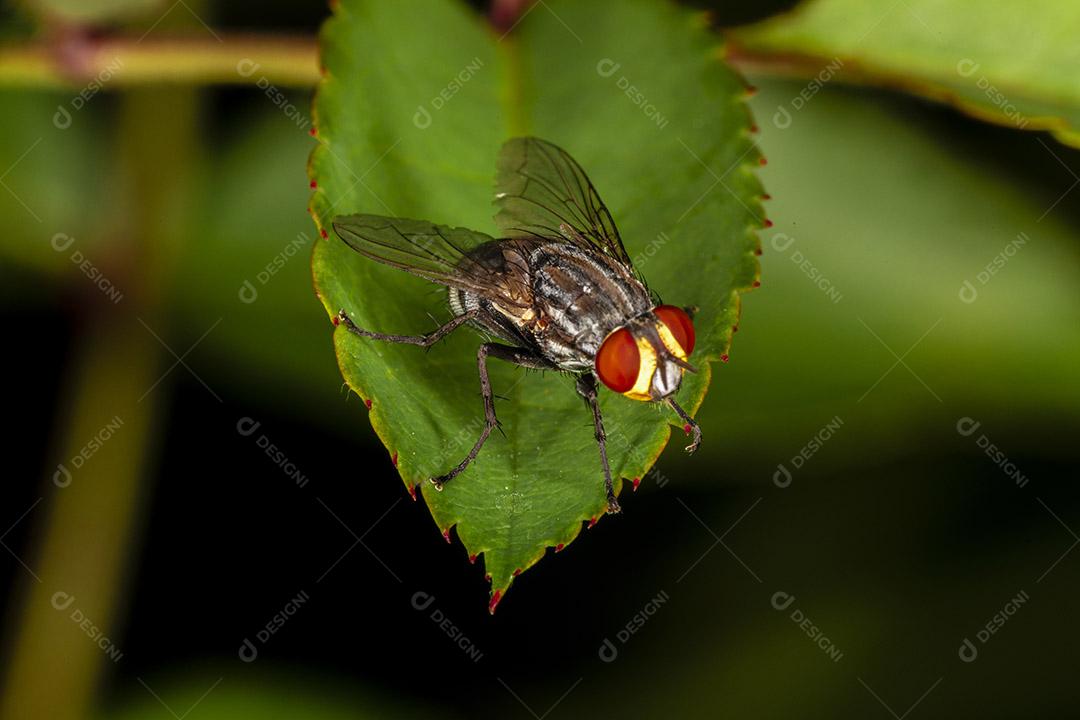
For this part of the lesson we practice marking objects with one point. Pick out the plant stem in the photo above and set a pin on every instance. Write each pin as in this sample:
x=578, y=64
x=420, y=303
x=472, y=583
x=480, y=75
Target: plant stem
x=285, y=61
x=89, y=528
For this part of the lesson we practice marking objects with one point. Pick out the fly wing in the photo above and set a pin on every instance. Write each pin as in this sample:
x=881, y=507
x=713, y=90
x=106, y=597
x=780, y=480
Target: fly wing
x=439, y=253
x=539, y=189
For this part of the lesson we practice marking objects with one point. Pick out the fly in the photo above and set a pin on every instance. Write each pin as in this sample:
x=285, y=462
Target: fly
x=558, y=288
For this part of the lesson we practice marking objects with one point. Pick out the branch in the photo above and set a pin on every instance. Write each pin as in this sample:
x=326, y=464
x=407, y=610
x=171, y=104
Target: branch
x=285, y=61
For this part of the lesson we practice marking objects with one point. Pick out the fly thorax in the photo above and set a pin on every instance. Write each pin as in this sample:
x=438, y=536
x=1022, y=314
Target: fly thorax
x=582, y=295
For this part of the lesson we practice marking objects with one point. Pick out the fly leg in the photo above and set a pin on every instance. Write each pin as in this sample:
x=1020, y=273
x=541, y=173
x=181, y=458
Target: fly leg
x=586, y=388
x=425, y=341
x=518, y=356
x=691, y=426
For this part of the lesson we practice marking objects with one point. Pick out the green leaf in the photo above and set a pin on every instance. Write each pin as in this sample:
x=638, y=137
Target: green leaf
x=1013, y=63
x=636, y=93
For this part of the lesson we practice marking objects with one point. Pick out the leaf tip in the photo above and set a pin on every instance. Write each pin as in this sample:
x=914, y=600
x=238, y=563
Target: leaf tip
x=636, y=481
x=495, y=598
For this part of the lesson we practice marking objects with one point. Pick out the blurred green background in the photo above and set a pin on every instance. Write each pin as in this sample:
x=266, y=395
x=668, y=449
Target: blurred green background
x=826, y=554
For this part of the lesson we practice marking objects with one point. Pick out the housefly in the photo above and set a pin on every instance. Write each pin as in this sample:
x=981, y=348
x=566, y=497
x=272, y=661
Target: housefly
x=558, y=290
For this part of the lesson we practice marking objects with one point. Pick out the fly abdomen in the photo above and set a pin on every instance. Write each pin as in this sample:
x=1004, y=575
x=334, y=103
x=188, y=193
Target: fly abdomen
x=461, y=301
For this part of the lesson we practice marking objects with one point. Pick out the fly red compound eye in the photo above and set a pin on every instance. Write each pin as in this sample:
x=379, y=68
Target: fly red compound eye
x=618, y=361
x=678, y=322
